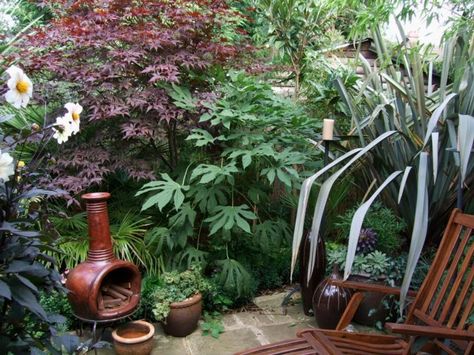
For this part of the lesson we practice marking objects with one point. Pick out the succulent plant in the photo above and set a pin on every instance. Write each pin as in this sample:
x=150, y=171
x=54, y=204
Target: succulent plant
x=367, y=241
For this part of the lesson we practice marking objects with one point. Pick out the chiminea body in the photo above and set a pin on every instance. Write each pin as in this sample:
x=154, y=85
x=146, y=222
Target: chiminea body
x=102, y=287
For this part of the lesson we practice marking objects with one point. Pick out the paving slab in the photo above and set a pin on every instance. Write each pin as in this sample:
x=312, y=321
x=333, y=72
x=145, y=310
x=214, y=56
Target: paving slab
x=274, y=333
x=228, y=343
x=252, y=319
x=170, y=346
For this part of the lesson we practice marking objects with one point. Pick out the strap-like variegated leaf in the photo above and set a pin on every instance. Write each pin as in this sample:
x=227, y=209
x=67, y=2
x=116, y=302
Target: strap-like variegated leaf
x=434, y=153
x=453, y=139
x=420, y=226
x=436, y=116
x=357, y=222
x=324, y=194
x=403, y=183
x=303, y=203
x=347, y=100
x=429, y=91
x=466, y=139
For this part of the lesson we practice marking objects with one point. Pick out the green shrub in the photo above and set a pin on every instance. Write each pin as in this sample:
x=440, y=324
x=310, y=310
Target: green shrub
x=383, y=221
x=57, y=303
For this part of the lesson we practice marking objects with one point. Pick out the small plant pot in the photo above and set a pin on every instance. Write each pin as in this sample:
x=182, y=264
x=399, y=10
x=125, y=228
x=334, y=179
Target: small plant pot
x=134, y=338
x=183, y=317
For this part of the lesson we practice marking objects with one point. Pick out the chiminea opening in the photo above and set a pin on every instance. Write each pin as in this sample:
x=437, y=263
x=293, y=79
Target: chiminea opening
x=115, y=291
x=102, y=287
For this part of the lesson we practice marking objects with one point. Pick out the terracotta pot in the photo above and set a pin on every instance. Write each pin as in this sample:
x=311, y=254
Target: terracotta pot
x=307, y=288
x=134, y=338
x=183, y=317
x=372, y=308
x=330, y=301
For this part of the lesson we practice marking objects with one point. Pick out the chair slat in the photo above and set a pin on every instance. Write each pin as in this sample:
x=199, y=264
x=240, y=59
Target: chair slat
x=388, y=349
x=443, y=346
x=319, y=341
x=428, y=288
x=447, y=284
x=465, y=219
x=467, y=310
x=454, y=293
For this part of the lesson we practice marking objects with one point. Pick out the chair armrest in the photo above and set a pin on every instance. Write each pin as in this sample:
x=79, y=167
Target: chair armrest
x=371, y=287
x=429, y=331
x=350, y=310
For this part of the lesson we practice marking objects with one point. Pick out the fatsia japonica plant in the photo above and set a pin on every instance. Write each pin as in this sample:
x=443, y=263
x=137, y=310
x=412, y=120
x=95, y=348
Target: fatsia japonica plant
x=121, y=57
x=26, y=269
x=249, y=154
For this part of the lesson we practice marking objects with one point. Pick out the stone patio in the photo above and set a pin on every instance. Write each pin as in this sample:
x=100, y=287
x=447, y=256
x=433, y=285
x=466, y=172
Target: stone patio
x=267, y=323
x=264, y=325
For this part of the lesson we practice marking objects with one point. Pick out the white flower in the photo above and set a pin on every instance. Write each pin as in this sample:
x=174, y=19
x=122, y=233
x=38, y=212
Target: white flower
x=21, y=87
x=7, y=168
x=74, y=112
x=63, y=128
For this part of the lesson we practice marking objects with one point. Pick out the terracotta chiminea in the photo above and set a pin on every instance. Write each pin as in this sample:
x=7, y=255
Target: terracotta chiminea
x=102, y=287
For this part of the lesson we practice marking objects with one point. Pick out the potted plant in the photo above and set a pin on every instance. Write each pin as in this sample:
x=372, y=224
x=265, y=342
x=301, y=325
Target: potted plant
x=372, y=267
x=178, y=301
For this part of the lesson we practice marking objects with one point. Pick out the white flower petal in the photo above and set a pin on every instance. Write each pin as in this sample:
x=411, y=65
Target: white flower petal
x=7, y=167
x=11, y=83
x=25, y=98
x=13, y=97
x=14, y=71
x=69, y=107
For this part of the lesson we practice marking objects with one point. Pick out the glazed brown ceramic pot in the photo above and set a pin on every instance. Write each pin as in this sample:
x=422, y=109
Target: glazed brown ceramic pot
x=372, y=309
x=134, y=338
x=307, y=288
x=330, y=301
x=183, y=317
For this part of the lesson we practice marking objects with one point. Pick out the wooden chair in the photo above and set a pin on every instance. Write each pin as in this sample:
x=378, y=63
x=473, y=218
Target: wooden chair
x=440, y=310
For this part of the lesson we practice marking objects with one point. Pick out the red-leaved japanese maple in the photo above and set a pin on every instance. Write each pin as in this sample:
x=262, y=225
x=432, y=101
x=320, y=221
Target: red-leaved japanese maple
x=120, y=55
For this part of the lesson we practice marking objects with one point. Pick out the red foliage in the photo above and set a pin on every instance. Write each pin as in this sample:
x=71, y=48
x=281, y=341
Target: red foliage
x=120, y=53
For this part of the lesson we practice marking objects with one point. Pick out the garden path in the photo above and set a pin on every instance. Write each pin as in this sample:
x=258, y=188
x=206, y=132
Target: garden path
x=262, y=325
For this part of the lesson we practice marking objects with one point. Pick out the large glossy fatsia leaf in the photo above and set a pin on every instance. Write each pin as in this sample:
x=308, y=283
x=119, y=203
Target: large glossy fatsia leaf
x=233, y=276
x=303, y=204
x=168, y=190
x=324, y=194
x=420, y=227
x=466, y=140
x=357, y=222
x=226, y=217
